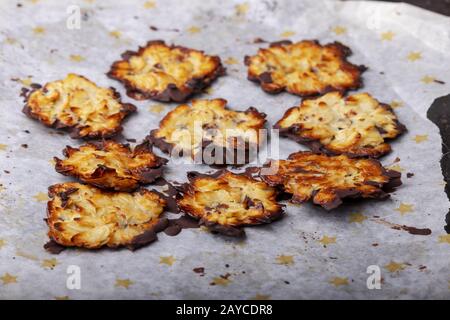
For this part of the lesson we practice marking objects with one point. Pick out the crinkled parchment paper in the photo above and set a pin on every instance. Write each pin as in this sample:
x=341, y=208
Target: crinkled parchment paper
x=309, y=253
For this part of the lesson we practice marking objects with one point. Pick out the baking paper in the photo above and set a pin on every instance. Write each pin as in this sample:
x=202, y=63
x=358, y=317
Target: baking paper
x=309, y=253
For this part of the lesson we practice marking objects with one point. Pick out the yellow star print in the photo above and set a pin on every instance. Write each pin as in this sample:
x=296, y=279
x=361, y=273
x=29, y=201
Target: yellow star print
x=124, y=283
x=156, y=108
x=38, y=30
x=76, y=58
x=413, y=56
x=394, y=266
x=11, y=40
x=420, y=138
x=241, y=9
x=231, y=60
x=405, y=208
x=327, y=240
x=221, y=281
x=194, y=29
x=169, y=260
x=8, y=278
x=339, y=30
x=62, y=298
x=3, y=147
x=2, y=243
x=285, y=260
x=49, y=263
x=149, y=4
x=396, y=104
x=428, y=79
x=41, y=197
x=287, y=34
x=387, y=36
x=357, y=218
x=339, y=281
x=115, y=34
x=444, y=238
x=26, y=255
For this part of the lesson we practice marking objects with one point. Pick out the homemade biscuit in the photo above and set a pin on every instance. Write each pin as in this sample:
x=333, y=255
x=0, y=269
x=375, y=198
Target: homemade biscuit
x=357, y=125
x=326, y=180
x=79, y=215
x=79, y=106
x=209, y=125
x=304, y=68
x=111, y=165
x=225, y=202
x=165, y=73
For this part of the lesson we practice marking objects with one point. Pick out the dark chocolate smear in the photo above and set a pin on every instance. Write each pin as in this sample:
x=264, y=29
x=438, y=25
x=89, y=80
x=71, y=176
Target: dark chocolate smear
x=169, y=195
x=199, y=270
x=417, y=231
x=54, y=247
x=409, y=229
x=439, y=114
x=148, y=236
x=177, y=225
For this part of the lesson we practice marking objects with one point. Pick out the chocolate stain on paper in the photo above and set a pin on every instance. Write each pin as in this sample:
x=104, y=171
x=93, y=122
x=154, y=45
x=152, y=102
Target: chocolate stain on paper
x=439, y=114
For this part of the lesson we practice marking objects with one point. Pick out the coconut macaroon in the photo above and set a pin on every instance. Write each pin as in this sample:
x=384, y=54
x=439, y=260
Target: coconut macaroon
x=79, y=106
x=304, y=68
x=210, y=130
x=225, y=202
x=111, y=165
x=326, y=180
x=165, y=73
x=357, y=125
x=79, y=215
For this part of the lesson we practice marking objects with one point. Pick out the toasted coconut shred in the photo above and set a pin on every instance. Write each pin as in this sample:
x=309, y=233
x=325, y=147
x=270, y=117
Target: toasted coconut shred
x=357, y=125
x=111, y=165
x=191, y=129
x=84, y=216
x=165, y=73
x=225, y=201
x=79, y=106
x=304, y=68
x=326, y=180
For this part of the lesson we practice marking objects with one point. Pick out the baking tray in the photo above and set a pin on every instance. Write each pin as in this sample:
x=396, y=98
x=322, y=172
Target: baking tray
x=309, y=253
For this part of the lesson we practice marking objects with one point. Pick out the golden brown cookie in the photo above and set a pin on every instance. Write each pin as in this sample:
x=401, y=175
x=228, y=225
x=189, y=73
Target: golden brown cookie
x=208, y=125
x=357, y=125
x=79, y=106
x=80, y=215
x=304, y=68
x=326, y=180
x=111, y=165
x=165, y=73
x=225, y=202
